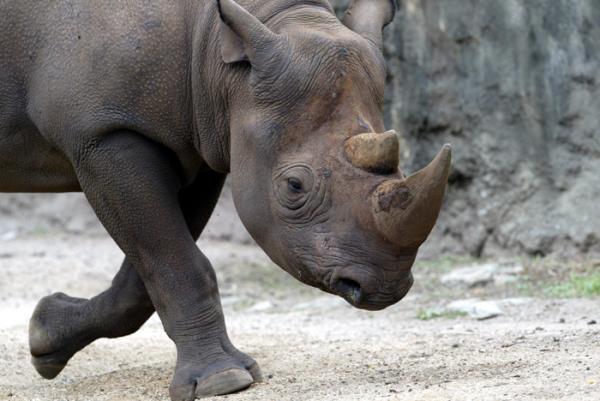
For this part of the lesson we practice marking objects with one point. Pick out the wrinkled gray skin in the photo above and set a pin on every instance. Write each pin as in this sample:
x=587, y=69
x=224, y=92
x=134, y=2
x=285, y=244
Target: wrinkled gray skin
x=145, y=107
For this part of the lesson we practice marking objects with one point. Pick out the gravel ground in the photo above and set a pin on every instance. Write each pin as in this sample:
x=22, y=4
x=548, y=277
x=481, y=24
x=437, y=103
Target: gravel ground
x=311, y=346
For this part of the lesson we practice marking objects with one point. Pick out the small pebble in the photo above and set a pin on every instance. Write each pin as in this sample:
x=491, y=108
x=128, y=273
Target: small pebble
x=561, y=320
x=591, y=322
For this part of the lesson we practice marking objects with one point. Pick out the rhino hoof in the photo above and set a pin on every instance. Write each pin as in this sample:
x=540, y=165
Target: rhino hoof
x=225, y=382
x=48, y=366
x=50, y=339
x=256, y=373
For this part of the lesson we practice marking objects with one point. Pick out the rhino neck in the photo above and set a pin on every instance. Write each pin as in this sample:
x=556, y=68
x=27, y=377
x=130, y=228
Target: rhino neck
x=216, y=86
x=208, y=83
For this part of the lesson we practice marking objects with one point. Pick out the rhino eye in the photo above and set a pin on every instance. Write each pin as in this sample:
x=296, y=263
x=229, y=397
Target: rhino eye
x=295, y=185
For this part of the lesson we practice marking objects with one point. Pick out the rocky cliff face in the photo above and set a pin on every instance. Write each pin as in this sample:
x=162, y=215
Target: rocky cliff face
x=514, y=86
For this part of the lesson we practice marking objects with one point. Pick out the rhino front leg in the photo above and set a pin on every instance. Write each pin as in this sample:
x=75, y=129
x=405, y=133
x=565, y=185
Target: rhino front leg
x=63, y=325
x=133, y=185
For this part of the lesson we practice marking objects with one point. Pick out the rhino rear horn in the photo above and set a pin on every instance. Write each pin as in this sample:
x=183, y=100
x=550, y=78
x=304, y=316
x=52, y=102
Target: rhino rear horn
x=369, y=17
x=376, y=153
x=242, y=35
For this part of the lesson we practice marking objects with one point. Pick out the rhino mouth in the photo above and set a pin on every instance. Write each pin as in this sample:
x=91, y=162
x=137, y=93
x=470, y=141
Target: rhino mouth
x=357, y=284
x=349, y=290
x=355, y=295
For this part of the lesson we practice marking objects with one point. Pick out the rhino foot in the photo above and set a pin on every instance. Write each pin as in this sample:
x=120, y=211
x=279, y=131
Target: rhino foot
x=50, y=366
x=53, y=335
x=234, y=373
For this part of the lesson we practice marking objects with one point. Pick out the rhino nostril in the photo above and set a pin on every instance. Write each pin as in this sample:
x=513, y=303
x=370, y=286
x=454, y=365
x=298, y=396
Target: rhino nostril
x=349, y=289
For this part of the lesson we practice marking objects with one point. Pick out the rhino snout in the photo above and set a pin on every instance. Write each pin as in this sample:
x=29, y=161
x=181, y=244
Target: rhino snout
x=365, y=291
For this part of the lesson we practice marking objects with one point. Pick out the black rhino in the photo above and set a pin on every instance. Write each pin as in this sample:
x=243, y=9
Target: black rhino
x=147, y=106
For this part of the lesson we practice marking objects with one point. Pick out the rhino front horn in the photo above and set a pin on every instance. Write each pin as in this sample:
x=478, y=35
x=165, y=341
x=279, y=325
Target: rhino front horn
x=377, y=153
x=405, y=210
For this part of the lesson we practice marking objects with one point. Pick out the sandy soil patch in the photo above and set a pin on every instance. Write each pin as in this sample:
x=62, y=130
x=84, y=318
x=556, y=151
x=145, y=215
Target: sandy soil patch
x=311, y=346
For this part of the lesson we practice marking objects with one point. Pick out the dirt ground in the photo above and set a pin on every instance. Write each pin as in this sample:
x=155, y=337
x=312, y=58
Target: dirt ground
x=310, y=345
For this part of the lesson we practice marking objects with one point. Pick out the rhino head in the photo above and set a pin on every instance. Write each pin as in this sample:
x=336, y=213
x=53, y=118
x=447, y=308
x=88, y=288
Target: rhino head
x=315, y=176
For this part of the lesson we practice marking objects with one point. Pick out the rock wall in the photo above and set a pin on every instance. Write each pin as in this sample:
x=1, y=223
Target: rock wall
x=513, y=85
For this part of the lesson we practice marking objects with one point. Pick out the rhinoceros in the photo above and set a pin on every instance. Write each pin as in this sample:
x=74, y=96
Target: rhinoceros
x=146, y=107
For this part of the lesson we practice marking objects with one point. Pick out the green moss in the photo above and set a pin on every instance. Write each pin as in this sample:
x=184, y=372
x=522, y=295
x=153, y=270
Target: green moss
x=428, y=314
x=39, y=232
x=576, y=286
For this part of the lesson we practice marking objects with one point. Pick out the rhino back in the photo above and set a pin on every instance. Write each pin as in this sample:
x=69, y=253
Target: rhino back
x=79, y=68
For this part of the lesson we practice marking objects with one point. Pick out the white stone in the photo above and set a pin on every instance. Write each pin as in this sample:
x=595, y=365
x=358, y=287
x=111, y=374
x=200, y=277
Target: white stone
x=483, y=274
x=476, y=308
x=261, y=306
x=8, y=236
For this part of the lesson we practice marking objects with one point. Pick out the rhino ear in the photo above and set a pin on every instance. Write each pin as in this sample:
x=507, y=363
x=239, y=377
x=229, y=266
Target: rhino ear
x=232, y=47
x=242, y=35
x=369, y=17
